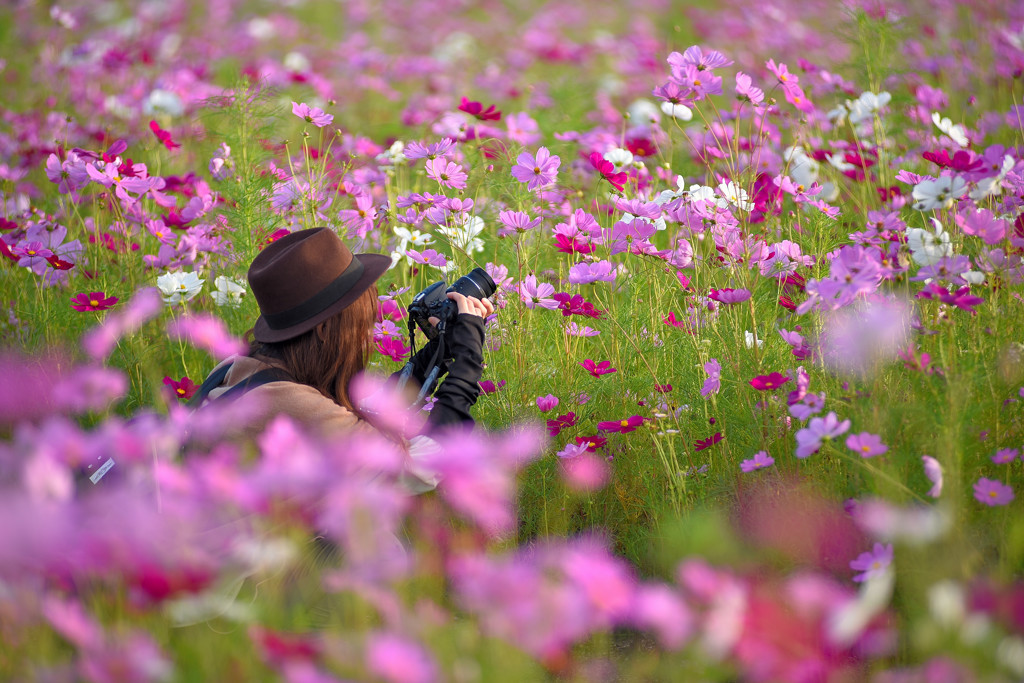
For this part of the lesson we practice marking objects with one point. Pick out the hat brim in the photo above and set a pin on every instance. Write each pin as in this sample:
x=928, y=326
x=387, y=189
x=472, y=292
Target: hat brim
x=374, y=265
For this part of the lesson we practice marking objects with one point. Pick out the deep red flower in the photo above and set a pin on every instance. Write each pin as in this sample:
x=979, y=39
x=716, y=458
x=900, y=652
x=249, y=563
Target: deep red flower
x=183, y=389
x=575, y=304
x=477, y=109
x=277, y=647
x=6, y=225
x=57, y=264
x=5, y=250
x=163, y=136
x=622, y=426
x=642, y=147
x=962, y=160
x=607, y=171
x=769, y=382
x=592, y=442
x=561, y=422
x=701, y=444
x=489, y=387
x=93, y=301
x=787, y=303
x=663, y=388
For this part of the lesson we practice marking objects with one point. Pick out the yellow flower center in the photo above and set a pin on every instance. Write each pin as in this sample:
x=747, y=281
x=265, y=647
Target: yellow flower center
x=865, y=448
x=624, y=423
x=93, y=302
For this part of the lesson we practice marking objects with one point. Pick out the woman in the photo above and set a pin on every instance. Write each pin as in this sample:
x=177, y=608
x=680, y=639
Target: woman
x=318, y=305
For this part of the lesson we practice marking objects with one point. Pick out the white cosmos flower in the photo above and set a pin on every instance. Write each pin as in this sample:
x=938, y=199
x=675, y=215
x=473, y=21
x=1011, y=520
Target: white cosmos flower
x=735, y=195
x=867, y=105
x=955, y=131
x=163, y=102
x=993, y=185
x=939, y=193
x=644, y=111
x=179, y=286
x=465, y=236
x=750, y=340
x=620, y=157
x=228, y=293
x=677, y=111
x=394, y=155
x=928, y=248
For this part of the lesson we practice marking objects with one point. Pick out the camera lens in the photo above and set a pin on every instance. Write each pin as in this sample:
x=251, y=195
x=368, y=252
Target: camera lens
x=476, y=283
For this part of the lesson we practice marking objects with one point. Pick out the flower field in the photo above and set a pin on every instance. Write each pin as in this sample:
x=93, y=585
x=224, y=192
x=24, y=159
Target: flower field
x=753, y=406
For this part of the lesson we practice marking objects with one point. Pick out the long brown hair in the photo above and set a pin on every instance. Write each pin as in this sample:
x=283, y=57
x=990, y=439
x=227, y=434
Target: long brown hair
x=329, y=356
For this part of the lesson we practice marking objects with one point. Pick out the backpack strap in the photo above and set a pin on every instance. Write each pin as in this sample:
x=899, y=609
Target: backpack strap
x=251, y=382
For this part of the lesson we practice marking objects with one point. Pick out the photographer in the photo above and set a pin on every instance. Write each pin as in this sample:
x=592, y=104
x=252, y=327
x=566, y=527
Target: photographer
x=318, y=305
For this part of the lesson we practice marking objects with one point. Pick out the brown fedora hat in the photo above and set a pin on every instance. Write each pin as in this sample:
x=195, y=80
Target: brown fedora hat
x=306, y=277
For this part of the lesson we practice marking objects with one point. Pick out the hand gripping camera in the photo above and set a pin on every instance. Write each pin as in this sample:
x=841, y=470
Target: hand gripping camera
x=433, y=302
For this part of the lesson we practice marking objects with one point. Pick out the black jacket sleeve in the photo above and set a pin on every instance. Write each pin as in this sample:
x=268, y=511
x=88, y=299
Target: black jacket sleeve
x=461, y=387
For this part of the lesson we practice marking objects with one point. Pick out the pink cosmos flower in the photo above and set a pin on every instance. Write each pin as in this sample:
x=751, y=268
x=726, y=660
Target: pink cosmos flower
x=873, y=563
x=933, y=470
x=602, y=368
x=515, y=221
x=536, y=171
x=991, y=492
x=729, y=296
x=70, y=175
x=447, y=173
x=546, y=403
x=584, y=472
x=534, y=294
x=866, y=444
x=163, y=136
x=769, y=382
x=713, y=383
x=416, y=150
x=574, y=330
x=760, y=460
x=476, y=109
x=182, y=389
x=818, y=430
x=396, y=659
x=622, y=426
x=428, y=257
x=206, y=332
x=313, y=115
x=587, y=273
x=93, y=301
x=747, y=91
x=359, y=220
x=1004, y=456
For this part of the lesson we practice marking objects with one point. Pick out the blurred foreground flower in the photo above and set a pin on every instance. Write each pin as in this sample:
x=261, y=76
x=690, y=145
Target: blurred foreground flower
x=206, y=332
x=857, y=342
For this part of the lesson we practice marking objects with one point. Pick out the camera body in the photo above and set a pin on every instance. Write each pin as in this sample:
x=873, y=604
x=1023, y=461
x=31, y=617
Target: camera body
x=434, y=302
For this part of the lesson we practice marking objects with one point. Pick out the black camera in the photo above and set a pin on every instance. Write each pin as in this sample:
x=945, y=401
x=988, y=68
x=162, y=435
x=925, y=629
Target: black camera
x=433, y=301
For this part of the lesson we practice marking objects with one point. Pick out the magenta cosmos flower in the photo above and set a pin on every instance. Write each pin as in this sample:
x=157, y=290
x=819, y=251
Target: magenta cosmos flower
x=598, y=369
x=622, y=426
x=991, y=492
x=182, y=389
x=866, y=444
x=769, y=382
x=546, y=403
x=760, y=460
x=313, y=115
x=536, y=171
x=872, y=564
x=93, y=301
